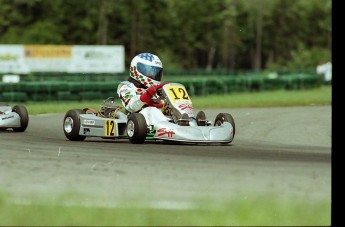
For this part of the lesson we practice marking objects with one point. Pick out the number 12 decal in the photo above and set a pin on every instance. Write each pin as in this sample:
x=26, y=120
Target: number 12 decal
x=109, y=128
x=178, y=92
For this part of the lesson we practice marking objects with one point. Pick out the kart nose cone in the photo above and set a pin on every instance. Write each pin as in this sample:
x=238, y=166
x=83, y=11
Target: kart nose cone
x=201, y=134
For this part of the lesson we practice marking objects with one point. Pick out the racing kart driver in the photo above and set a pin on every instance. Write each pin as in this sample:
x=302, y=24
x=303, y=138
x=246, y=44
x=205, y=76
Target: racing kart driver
x=139, y=91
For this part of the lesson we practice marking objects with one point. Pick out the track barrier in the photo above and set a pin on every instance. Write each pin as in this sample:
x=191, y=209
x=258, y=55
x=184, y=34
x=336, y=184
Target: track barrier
x=96, y=87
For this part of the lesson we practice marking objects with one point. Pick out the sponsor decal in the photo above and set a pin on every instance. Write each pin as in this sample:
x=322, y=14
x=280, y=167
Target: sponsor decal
x=48, y=51
x=96, y=55
x=4, y=118
x=185, y=106
x=8, y=57
x=164, y=131
x=89, y=122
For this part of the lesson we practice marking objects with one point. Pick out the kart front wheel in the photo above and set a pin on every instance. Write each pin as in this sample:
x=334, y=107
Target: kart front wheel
x=24, y=117
x=136, y=128
x=225, y=117
x=71, y=125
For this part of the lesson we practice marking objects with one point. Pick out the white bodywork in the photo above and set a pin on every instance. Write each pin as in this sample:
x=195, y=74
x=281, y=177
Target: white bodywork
x=199, y=134
x=8, y=119
x=165, y=130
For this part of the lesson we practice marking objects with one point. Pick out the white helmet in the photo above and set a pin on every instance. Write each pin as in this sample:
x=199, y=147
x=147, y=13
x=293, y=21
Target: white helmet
x=147, y=69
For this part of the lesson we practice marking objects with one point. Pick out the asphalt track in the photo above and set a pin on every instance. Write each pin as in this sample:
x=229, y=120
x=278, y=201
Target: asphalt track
x=281, y=152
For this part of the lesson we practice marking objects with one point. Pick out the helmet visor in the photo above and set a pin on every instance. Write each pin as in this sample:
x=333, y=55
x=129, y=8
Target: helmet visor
x=150, y=71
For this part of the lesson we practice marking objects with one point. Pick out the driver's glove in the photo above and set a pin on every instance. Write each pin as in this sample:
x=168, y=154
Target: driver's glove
x=146, y=96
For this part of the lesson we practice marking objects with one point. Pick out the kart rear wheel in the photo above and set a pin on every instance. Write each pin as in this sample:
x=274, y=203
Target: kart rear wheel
x=225, y=117
x=136, y=128
x=24, y=117
x=71, y=125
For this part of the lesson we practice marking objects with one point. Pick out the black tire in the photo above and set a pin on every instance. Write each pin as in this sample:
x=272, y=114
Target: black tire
x=136, y=128
x=71, y=125
x=24, y=117
x=225, y=117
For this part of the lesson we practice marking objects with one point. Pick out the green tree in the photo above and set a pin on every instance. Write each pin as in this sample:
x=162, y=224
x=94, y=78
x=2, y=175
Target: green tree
x=208, y=34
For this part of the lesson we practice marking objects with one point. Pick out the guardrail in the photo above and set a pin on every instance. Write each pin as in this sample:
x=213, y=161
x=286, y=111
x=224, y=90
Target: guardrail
x=196, y=86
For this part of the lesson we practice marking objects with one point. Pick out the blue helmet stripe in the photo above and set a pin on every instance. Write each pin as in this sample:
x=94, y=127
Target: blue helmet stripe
x=146, y=56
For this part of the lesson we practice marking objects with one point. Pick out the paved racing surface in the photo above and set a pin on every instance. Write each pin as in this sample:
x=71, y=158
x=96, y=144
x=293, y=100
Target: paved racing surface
x=282, y=152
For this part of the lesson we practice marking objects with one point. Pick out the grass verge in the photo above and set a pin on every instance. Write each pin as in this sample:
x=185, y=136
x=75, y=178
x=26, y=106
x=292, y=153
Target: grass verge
x=237, y=212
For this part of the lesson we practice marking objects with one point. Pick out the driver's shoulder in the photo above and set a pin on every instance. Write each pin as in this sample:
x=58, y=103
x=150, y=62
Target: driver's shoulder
x=125, y=85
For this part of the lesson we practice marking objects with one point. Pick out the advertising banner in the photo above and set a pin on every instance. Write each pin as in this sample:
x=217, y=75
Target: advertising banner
x=97, y=59
x=12, y=59
x=47, y=58
x=23, y=59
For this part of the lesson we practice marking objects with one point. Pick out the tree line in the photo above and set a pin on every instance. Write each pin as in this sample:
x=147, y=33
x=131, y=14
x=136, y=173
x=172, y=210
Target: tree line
x=185, y=34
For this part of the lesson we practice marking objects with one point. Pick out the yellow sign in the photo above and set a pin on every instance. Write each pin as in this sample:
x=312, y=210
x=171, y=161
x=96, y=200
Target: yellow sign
x=48, y=51
x=109, y=128
x=177, y=93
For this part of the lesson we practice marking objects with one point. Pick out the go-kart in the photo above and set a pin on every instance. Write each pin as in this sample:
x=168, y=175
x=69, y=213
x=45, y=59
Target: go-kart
x=16, y=118
x=111, y=121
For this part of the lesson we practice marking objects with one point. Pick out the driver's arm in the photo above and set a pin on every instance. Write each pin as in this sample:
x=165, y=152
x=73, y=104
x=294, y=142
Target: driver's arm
x=133, y=102
x=129, y=98
x=146, y=97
